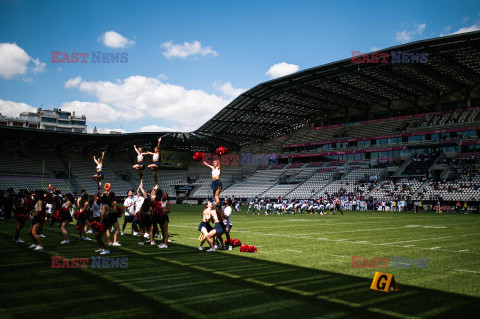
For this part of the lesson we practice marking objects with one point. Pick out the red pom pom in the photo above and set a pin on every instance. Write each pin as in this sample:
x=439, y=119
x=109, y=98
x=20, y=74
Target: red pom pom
x=119, y=211
x=97, y=226
x=81, y=216
x=197, y=156
x=221, y=150
x=248, y=249
x=157, y=208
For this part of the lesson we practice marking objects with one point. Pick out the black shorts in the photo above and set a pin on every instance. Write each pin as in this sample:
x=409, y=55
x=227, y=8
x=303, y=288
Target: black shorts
x=110, y=220
x=160, y=219
x=146, y=221
x=129, y=219
x=207, y=226
x=100, y=174
x=38, y=220
x=141, y=165
x=164, y=219
x=216, y=185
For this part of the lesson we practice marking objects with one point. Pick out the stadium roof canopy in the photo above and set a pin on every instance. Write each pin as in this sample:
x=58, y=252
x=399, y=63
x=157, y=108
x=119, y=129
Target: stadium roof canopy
x=339, y=92
x=348, y=91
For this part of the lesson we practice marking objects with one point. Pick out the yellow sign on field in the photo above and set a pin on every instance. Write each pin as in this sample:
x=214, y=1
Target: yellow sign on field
x=384, y=282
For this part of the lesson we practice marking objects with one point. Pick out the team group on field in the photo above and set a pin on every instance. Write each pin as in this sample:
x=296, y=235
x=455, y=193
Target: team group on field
x=147, y=211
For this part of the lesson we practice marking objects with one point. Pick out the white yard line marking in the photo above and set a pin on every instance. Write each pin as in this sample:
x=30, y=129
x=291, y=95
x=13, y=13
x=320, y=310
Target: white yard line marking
x=463, y=250
x=435, y=248
x=408, y=246
x=443, y=237
x=464, y=270
x=341, y=239
x=340, y=256
x=297, y=251
x=375, y=244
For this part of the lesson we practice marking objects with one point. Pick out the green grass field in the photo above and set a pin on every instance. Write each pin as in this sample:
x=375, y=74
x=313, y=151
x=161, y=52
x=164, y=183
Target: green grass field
x=303, y=268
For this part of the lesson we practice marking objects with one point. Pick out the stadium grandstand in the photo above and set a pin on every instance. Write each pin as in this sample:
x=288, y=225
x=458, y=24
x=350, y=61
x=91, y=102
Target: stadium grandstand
x=376, y=131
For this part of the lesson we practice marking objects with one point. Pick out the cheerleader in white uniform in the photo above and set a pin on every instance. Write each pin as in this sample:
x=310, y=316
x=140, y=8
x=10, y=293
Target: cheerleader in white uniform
x=205, y=226
x=140, y=166
x=217, y=231
x=156, y=161
x=216, y=183
x=99, y=175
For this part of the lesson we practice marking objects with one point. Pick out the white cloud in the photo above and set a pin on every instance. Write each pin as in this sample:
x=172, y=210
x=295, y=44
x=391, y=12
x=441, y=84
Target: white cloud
x=474, y=27
x=374, y=49
x=419, y=28
x=186, y=49
x=138, y=97
x=95, y=112
x=465, y=19
x=13, y=109
x=39, y=66
x=115, y=40
x=72, y=83
x=281, y=69
x=227, y=89
x=405, y=36
x=155, y=128
x=14, y=61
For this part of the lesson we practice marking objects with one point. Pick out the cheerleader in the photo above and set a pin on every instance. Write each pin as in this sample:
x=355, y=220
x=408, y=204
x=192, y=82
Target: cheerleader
x=140, y=166
x=20, y=215
x=205, y=227
x=145, y=221
x=112, y=220
x=164, y=220
x=102, y=219
x=156, y=161
x=216, y=183
x=217, y=216
x=99, y=175
x=66, y=217
x=38, y=220
x=84, y=206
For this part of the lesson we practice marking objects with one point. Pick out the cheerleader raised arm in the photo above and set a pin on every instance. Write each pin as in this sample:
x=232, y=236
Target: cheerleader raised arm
x=140, y=166
x=156, y=161
x=216, y=182
x=99, y=175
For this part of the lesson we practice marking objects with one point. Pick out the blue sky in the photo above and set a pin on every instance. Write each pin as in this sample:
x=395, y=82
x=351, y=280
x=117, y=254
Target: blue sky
x=189, y=59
